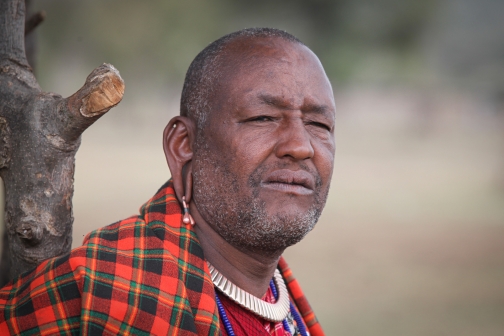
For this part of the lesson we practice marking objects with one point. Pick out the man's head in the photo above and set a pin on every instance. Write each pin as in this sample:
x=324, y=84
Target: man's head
x=256, y=139
x=206, y=69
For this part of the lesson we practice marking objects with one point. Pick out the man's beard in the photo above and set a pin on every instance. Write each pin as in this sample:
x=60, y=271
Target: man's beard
x=242, y=220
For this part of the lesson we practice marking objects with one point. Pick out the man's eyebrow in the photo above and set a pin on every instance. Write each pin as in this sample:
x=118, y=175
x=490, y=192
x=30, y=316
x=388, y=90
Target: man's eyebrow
x=317, y=109
x=284, y=105
x=275, y=101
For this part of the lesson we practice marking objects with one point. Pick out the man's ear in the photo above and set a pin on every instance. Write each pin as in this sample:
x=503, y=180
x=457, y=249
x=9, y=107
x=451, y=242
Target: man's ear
x=178, y=139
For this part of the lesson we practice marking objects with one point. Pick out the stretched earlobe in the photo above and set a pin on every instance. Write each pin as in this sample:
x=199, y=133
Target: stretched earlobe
x=188, y=181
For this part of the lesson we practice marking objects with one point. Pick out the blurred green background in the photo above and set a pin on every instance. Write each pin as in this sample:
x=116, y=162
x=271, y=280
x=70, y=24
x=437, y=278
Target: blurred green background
x=412, y=238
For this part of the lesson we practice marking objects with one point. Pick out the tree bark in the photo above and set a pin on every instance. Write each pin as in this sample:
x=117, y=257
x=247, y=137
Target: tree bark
x=39, y=137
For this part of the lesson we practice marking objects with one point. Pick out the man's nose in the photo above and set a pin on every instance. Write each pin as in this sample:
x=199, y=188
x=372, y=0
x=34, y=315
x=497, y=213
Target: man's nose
x=294, y=141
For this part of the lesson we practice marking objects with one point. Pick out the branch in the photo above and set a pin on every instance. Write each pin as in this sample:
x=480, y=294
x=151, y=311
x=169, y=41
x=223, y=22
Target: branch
x=104, y=89
x=34, y=21
x=12, y=21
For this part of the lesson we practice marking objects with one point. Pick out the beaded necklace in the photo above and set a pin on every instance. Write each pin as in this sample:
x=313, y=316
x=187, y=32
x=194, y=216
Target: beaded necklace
x=295, y=315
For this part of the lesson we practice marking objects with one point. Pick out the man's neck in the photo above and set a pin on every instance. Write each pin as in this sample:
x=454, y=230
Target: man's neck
x=248, y=270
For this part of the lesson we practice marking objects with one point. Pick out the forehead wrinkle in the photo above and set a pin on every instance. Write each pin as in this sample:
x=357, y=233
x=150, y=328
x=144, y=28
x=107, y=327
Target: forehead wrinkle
x=283, y=104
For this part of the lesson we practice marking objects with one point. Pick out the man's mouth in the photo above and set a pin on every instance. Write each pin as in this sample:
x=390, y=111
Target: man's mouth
x=290, y=181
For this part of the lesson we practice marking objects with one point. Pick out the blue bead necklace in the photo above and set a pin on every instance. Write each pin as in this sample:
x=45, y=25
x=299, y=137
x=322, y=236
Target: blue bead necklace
x=223, y=316
x=295, y=315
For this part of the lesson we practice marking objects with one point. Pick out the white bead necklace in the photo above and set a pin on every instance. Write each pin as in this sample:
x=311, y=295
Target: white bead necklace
x=274, y=312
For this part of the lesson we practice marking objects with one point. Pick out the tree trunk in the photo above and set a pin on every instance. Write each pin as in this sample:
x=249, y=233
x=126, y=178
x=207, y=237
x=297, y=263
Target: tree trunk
x=39, y=137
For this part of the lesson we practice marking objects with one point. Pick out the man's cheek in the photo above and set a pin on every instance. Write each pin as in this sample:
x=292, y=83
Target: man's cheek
x=325, y=164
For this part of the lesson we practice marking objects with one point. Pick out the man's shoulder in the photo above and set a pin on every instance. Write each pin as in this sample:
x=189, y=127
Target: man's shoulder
x=131, y=237
x=114, y=232
x=158, y=214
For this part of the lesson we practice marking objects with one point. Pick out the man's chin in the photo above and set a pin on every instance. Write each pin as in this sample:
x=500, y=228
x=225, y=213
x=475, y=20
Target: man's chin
x=289, y=209
x=270, y=247
x=272, y=235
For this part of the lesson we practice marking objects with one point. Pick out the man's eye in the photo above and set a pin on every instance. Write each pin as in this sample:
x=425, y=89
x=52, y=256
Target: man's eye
x=321, y=125
x=261, y=119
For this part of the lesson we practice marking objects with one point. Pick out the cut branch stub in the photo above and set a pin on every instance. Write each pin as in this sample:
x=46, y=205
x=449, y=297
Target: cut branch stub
x=104, y=89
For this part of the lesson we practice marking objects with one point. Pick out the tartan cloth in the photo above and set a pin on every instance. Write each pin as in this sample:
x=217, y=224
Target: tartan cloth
x=145, y=275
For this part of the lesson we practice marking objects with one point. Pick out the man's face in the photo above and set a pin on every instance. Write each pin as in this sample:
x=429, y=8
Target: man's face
x=263, y=162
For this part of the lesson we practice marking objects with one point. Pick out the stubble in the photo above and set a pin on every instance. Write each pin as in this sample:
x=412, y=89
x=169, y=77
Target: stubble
x=241, y=218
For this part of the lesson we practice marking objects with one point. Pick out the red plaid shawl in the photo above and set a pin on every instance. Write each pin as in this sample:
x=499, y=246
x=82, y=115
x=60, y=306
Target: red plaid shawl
x=145, y=275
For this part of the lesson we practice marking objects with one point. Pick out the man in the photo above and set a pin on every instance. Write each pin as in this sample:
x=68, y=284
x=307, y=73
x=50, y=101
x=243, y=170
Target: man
x=251, y=157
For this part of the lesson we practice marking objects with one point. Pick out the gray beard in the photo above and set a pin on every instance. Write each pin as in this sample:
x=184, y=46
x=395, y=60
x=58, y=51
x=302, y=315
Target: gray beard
x=243, y=221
